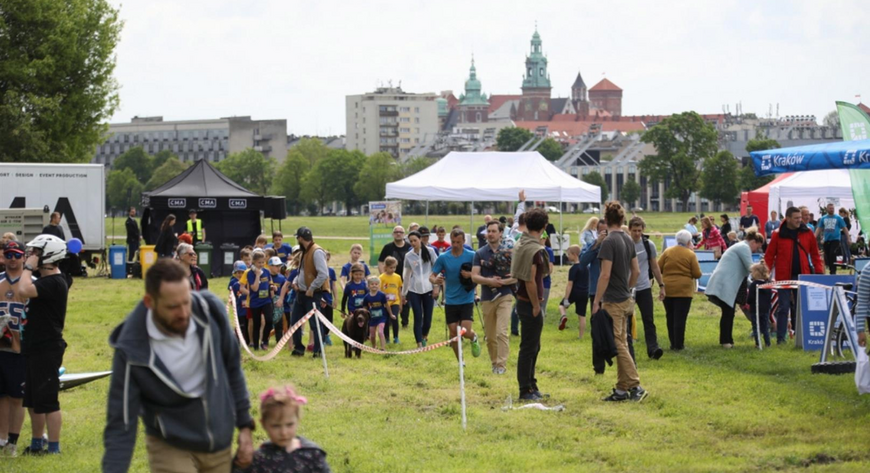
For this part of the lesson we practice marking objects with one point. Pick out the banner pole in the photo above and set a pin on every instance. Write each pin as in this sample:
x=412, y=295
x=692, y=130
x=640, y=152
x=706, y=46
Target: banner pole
x=461, y=332
x=427, y=214
x=320, y=339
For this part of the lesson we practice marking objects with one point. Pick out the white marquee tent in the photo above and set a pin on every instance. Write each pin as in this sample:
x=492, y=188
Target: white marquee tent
x=493, y=177
x=813, y=189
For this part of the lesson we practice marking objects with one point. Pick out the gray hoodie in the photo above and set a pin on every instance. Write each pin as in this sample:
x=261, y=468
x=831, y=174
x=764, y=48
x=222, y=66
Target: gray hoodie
x=142, y=386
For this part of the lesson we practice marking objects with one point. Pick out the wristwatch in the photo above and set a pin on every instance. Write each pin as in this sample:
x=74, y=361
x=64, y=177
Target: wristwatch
x=28, y=267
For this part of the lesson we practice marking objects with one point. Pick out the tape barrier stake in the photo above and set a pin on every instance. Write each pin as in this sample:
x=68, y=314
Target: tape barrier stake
x=320, y=339
x=461, y=377
x=232, y=309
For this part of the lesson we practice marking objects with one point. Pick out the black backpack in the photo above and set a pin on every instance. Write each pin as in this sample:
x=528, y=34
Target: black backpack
x=648, y=248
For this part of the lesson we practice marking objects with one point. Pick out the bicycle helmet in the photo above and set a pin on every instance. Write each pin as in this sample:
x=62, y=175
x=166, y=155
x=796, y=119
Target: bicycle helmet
x=53, y=248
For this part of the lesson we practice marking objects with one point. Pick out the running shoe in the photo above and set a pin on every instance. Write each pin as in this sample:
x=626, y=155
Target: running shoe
x=563, y=322
x=637, y=394
x=616, y=397
x=396, y=341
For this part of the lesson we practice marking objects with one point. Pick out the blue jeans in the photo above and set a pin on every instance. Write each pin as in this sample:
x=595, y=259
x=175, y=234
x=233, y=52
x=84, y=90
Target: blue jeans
x=782, y=314
x=302, y=306
x=421, y=305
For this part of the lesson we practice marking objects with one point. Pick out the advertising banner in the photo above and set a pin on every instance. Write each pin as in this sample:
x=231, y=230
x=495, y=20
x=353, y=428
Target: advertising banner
x=814, y=308
x=383, y=216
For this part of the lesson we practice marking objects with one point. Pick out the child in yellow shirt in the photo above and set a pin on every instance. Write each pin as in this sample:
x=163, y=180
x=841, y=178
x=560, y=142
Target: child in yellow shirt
x=391, y=286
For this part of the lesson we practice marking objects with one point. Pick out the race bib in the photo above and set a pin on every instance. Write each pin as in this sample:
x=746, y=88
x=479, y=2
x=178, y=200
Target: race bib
x=391, y=297
x=358, y=301
x=377, y=313
x=263, y=294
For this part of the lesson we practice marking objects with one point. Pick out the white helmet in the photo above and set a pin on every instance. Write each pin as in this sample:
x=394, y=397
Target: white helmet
x=53, y=248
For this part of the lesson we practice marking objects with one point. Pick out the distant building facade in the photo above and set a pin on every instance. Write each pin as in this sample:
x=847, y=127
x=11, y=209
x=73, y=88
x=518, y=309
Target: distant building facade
x=193, y=140
x=390, y=120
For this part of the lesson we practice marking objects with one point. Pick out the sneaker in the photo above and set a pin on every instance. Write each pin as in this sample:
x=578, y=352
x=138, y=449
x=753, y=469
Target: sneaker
x=500, y=370
x=264, y=346
x=297, y=353
x=493, y=369
x=28, y=452
x=657, y=353
x=10, y=450
x=637, y=394
x=425, y=342
x=396, y=341
x=727, y=345
x=616, y=397
x=530, y=396
x=542, y=395
x=327, y=341
x=316, y=355
x=563, y=322
x=475, y=347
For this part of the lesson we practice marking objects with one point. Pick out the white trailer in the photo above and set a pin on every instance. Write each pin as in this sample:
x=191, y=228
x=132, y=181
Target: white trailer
x=76, y=191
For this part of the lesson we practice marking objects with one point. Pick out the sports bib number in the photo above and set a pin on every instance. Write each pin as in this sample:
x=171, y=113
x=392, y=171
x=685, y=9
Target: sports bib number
x=358, y=301
x=263, y=294
x=391, y=297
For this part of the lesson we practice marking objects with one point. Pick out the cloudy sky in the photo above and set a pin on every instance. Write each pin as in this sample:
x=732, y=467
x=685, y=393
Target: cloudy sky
x=298, y=60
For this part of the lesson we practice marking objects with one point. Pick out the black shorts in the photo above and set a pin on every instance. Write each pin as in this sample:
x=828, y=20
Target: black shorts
x=43, y=381
x=13, y=372
x=458, y=312
x=580, y=303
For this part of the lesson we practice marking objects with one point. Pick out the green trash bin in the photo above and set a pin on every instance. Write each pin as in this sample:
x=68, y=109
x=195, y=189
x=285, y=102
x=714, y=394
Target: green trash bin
x=204, y=257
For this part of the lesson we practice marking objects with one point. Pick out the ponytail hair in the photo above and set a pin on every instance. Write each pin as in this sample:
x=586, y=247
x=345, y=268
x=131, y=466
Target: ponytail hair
x=753, y=235
x=614, y=214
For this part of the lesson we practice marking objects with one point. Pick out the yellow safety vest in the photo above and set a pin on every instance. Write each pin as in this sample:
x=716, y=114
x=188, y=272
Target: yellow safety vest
x=197, y=235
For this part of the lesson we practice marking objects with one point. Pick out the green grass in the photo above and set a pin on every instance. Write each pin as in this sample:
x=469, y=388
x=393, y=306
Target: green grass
x=709, y=409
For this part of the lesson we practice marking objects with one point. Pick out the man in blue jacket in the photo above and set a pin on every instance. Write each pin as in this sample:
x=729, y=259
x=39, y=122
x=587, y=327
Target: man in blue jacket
x=177, y=366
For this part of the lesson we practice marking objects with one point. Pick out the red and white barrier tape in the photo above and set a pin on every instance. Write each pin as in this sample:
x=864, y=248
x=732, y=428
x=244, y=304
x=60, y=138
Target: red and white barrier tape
x=366, y=348
x=231, y=309
x=793, y=285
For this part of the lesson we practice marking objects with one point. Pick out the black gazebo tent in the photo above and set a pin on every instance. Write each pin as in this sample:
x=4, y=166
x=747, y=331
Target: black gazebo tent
x=229, y=212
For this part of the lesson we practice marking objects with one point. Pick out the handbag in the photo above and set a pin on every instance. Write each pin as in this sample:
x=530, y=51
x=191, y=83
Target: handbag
x=862, y=372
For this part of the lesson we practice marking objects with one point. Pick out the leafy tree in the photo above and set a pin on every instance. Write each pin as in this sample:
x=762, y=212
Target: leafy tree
x=630, y=192
x=250, y=169
x=682, y=142
x=597, y=179
x=312, y=150
x=415, y=165
x=136, y=160
x=123, y=189
x=719, y=181
x=748, y=180
x=288, y=181
x=161, y=157
x=550, y=149
x=341, y=170
x=168, y=170
x=512, y=138
x=378, y=170
x=832, y=120
x=56, y=84
x=316, y=186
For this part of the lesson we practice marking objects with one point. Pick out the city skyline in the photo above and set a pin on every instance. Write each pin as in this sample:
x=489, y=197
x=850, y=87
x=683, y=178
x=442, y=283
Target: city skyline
x=275, y=60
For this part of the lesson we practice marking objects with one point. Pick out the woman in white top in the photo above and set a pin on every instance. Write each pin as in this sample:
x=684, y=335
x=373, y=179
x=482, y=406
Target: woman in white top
x=416, y=288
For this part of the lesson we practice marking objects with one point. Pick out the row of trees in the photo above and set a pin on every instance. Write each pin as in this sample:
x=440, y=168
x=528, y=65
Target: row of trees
x=311, y=176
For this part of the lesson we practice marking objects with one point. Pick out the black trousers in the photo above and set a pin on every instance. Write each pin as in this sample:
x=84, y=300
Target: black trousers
x=726, y=322
x=832, y=249
x=644, y=301
x=303, y=305
x=530, y=346
x=677, y=312
x=132, y=248
x=406, y=310
x=266, y=313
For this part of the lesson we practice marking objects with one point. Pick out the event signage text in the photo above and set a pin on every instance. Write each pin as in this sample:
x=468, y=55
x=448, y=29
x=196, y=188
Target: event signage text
x=815, y=307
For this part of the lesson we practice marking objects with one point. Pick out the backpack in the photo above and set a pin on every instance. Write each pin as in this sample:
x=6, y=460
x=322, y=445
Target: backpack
x=647, y=248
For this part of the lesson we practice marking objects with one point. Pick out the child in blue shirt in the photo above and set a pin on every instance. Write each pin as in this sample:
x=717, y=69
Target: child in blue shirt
x=235, y=286
x=260, y=287
x=355, y=255
x=376, y=302
x=278, y=280
x=327, y=304
x=354, y=291
x=282, y=250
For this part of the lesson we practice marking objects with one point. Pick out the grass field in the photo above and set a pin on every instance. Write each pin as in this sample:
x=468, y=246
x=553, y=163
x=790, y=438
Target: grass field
x=709, y=409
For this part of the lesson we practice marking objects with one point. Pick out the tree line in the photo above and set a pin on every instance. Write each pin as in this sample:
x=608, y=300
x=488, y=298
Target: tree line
x=311, y=177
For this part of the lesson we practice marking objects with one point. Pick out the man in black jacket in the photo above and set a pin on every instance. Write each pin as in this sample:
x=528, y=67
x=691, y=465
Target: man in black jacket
x=53, y=227
x=133, y=235
x=177, y=366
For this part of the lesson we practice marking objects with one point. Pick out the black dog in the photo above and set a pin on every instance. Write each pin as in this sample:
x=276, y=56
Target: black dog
x=357, y=328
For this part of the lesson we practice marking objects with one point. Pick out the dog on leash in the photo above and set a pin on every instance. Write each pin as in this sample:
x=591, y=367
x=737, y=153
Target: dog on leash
x=357, y=328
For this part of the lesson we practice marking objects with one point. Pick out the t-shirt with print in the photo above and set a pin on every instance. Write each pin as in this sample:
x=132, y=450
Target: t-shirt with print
x=483, y=258
x=390, y=249
x=376, y=304
x=832, y=226
x=345, y=270
x=541, y=267
x=551, y=257
x=643, y=281
x=441, y=246
x=327, y=296
x=259, y=289
x=12, y=307
x=46, y=314
x=618, y=248
x=391, y=286
x=449, y=265
x=282, y=251
x=355, y=293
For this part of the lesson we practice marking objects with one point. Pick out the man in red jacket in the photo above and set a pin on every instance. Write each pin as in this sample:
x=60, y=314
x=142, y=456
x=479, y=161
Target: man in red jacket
x=792, y=251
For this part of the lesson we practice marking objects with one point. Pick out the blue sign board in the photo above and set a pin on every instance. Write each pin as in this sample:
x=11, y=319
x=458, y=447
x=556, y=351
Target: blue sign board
x=707, y=268
x=668, y=241
x=815, y=307
x=705, y=255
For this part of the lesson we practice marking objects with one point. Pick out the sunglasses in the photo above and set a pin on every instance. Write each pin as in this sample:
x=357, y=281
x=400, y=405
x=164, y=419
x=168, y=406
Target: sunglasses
x=13, y=255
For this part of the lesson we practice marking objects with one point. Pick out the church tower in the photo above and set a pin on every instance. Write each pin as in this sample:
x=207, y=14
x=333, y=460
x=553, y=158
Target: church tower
x=535, y=102
x=578, y=96
x=473, y=106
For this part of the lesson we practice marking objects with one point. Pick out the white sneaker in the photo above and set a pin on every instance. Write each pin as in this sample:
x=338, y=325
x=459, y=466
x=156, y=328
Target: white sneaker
x=10, y=450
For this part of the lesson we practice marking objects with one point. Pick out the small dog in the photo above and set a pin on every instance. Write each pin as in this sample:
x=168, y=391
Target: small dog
x=357, y=328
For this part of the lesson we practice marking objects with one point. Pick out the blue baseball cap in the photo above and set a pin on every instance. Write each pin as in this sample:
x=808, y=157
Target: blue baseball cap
x=239, y=266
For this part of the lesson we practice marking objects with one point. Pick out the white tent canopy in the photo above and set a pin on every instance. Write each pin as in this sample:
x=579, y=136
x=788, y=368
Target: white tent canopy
x=813, y=189
x=493, y=177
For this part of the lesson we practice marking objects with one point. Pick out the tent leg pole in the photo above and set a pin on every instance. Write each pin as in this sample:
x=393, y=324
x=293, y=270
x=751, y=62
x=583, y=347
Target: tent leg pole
x=427, y=214
x=471, y=228
x=561, y=238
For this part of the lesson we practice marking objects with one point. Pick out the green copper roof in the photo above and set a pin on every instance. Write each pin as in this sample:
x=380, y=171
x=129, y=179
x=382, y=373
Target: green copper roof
x=472, y=89
x=536, y=74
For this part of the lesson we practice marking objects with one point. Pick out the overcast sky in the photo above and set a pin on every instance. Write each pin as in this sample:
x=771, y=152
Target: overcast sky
x=270, y=59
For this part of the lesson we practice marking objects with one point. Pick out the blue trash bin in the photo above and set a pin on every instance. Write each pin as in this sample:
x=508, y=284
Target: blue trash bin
x=118, y=261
